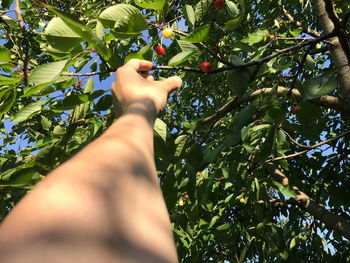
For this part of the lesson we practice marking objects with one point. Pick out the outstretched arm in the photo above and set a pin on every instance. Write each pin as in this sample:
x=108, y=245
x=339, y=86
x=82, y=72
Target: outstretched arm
x=104, y=204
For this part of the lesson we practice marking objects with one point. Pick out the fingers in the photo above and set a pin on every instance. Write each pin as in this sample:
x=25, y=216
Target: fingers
x=173, y=83
x=148, y=77
x=139, y=65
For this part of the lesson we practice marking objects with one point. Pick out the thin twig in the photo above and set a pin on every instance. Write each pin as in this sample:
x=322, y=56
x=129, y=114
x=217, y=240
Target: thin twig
x=254, y=62
x=307, y=30
x=7, y=11
x=300, y=67
x=294, y=141
x=25, y=42
x=309, y=149
x=72, y=74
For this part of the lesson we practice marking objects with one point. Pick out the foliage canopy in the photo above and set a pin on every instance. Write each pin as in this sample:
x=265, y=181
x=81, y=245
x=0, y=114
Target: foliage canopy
x=263, y=184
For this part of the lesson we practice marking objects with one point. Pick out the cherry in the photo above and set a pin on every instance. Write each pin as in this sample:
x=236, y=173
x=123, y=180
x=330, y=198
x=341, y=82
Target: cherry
x=219, y=4
x=296, y=109
x=241, y=200
x=205, y=66
x=186, y=197
x=160, y=50
x=168, y=32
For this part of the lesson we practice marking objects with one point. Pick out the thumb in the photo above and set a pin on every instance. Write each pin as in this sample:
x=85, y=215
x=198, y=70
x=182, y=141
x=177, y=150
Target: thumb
x=172, y=83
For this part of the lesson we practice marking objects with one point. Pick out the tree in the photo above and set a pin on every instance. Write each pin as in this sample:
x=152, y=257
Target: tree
x=252, y=156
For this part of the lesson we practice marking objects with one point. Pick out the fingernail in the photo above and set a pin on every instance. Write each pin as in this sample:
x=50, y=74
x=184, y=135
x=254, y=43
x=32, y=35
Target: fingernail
x=179, y=81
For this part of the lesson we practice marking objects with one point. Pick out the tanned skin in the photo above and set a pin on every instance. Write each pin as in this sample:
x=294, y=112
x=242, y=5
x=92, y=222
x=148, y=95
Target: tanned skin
x=105, y=203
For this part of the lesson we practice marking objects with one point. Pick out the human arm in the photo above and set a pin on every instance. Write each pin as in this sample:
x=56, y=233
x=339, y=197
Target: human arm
x=104, y=204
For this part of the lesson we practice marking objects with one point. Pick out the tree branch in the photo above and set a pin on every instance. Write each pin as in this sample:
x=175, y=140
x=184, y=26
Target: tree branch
x=307, y=30
x=338, y=28
x=252, y=63
x=338, y=55
x=294, y=141
x=72, y=74
x=309, y=149
x=25, y=43
x=332, y=221
x=325, y=101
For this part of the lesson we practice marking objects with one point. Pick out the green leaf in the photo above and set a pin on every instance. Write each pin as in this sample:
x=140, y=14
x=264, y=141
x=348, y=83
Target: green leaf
x=189, y=15
x=7, y=98
x=145, y=53
x=181, y=57
x=150, y=4
x=4, y=80
x=319, y=86
x=59, y=131
x=223, y=227
x=100, y=30
x=201, y=9
x=238, y=80
x=232, y=9
x=104, y=103
x=60, y=36
x=213, y=221
x=6, y=4
x=47, y=73
x=233, y=23
x=161, y=129
x=257, y=36
x=4, y=54
x=293, y=242
x=186, y=46
x=198, y=35
x=83, y=31
x=296, y=32
x=46, y=123
x=29, y=110
x=124, y=18
x=71, y=101
x=180, y=144
x=243, y=253
x=287, y=190
x=21, y=177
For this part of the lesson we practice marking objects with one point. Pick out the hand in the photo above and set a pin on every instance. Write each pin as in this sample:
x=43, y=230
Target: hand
x=131, y=88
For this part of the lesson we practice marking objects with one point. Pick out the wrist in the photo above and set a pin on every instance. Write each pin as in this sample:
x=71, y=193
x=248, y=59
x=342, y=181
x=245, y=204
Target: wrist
x=145, y=108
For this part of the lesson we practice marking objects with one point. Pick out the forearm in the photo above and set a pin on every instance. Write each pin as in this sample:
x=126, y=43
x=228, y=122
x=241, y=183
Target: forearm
x=108, y=194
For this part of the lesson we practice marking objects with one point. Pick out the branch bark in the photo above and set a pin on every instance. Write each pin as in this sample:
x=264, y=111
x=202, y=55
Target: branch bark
x=325, y=101
x=310, y=148
x=332, y=221
x=307, y=30
x=25, y=42
x=338, y=55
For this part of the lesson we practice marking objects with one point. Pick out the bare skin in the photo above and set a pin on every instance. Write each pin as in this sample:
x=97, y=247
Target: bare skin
x=104, y=204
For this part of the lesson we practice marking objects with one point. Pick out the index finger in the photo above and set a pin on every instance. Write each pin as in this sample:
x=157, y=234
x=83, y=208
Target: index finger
x=140, y=65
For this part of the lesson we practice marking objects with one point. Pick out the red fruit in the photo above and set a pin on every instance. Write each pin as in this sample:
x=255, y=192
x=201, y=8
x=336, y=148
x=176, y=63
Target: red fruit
x=219, y=4
x=186, y=197
x=296, y=109
x=205, y=66
x=160, y=50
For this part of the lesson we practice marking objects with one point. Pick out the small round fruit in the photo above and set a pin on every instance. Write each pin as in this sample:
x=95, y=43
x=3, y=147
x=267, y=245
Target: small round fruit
x=181, y=203
x=296, y=109
x=168, y=32
x=108, y=42
x=205, y=66
x=163, y=27
x=186, y=197
x=160, y=50
x=241, y=200
x=116, y=40
x=219, y=4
